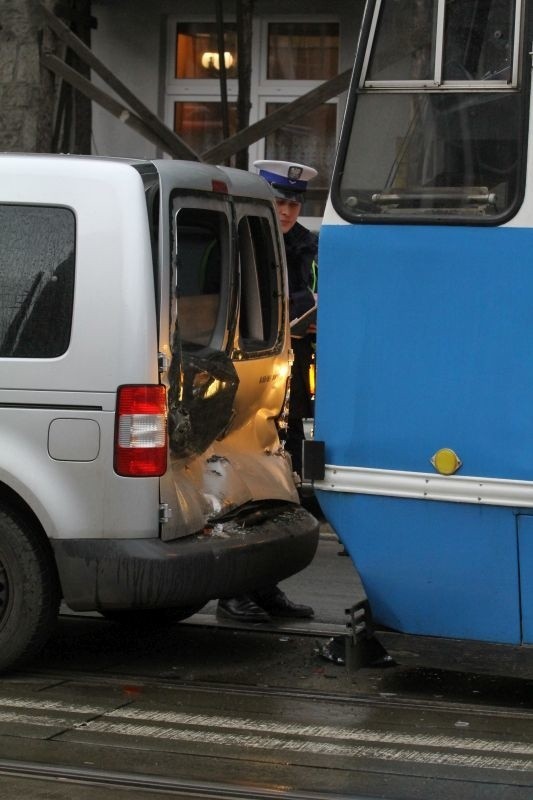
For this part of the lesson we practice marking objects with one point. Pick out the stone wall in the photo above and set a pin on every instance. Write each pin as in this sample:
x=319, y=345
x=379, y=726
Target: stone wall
x=26, y=89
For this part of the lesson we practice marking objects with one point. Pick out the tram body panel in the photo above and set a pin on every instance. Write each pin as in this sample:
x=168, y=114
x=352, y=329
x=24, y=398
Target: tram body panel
x=449, y=368
x=525, y=549
x=442, y=360
x=406, y=550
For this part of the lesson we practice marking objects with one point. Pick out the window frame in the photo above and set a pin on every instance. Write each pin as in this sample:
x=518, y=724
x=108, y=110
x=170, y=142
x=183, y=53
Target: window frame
x=286, y=86
x=201, y=86
x=437, y=83
x=521, y=87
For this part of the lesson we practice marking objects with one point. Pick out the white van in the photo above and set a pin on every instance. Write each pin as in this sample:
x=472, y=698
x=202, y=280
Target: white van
x=144, y=355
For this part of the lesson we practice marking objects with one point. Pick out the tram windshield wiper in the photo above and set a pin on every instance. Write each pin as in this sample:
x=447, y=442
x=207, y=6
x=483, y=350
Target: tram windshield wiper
x=477, y=199
x=436, y=198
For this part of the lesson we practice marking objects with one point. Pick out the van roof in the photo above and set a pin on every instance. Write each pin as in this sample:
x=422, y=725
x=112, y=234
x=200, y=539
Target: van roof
x=206, y=177
x=191, y=175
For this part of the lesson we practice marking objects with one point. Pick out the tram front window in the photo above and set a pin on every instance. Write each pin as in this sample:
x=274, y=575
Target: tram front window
x=430, y=152
x=477, y=41
x=436, y=131
x=406, y=28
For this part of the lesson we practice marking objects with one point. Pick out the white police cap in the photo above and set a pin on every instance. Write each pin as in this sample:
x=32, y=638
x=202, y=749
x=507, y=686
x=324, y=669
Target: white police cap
x=287, y=178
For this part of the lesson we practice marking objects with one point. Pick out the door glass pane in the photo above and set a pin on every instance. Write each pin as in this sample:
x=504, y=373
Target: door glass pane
x=404, y=45
x=199, y=123
x=308, y=140
x=303, y=51
x=478, y=40
x=197, y=50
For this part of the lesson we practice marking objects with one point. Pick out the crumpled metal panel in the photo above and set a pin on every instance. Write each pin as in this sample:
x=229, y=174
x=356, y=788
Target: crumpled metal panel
x=201, y=398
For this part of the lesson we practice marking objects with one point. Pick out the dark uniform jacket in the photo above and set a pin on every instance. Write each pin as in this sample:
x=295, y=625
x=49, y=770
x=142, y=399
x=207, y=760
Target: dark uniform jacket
x=301, y=248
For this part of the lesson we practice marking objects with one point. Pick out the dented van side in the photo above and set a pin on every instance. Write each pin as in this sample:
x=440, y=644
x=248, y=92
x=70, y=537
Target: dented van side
x=143, y=361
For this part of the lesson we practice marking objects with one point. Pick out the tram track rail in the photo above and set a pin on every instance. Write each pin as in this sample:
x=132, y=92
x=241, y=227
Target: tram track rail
x=319, y=631
x=169, y=717
x=379, y=700
x=176, y=787
x=370, y=749
x=347, y=735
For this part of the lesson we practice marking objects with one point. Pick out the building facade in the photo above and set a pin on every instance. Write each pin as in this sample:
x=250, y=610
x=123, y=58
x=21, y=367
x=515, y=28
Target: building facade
x=166, y=52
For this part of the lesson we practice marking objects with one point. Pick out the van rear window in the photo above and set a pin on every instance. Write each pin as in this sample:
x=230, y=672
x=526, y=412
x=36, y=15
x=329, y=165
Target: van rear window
x=201, y=247
x=36, y=280
x=260, y=287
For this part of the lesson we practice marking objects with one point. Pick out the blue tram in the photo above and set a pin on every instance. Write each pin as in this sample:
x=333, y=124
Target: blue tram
x=425, y=332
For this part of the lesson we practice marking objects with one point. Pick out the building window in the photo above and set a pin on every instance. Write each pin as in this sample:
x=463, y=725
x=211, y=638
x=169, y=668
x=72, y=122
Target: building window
x=193, y=82
x=302, y=51
x=196, y=50
x=303, y=141
x=199, y=122
x=289, y=59
x=298, y=56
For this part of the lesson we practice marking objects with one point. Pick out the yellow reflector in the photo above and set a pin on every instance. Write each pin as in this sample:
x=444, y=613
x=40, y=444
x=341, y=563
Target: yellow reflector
x=312, y=378
x=446, y=461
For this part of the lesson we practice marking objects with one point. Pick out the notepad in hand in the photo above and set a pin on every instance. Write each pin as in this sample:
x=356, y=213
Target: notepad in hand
x=300, y=325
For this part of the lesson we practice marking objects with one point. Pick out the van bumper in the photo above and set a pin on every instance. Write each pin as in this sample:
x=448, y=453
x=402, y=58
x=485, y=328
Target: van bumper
x=99, y=574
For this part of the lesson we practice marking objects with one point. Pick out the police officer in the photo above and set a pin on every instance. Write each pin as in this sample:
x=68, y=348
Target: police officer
x=289, y=183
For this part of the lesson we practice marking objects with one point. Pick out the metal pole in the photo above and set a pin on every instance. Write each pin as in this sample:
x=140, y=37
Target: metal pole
x=244, y=70
x=222, y=69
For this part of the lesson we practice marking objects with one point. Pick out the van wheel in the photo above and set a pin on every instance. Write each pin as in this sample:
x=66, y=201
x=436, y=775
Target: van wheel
x=154, y=617
x=29, y=591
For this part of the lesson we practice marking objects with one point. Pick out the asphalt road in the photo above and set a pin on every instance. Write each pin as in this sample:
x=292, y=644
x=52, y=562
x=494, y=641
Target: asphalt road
x=209, y=710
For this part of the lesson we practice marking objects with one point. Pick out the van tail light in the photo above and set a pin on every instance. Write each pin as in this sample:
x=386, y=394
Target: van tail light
x=141, y=431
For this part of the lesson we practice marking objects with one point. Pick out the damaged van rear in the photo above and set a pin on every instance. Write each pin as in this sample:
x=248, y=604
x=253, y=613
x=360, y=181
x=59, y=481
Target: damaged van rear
x=144, y=358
